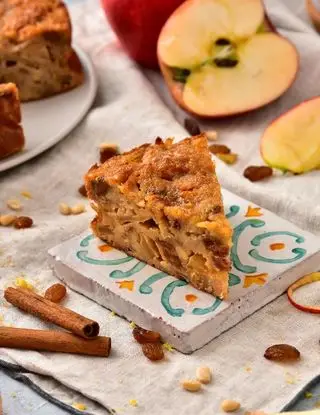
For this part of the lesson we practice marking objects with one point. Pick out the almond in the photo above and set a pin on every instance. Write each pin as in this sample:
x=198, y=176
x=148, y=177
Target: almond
x=191, y=385
x=56, y=293
x=229, y=405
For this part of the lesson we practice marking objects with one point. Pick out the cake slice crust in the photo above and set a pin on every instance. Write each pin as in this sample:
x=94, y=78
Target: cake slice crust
x=162, y=204
x=11, y=133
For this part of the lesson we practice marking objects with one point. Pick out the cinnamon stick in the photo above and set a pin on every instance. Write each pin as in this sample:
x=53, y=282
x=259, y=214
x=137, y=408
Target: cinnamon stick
x=53, y=341
x=47, y=310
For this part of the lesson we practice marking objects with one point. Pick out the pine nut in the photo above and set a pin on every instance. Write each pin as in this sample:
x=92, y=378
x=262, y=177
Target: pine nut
x=191, y=385
x=14, y=204
x=64, y=209
x=212, y=135
x=229, y=405
x=7, y=220
x=77, y=209
x=204, y=374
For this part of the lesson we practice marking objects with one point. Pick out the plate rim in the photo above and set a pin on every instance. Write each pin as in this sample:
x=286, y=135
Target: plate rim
x=86, y=61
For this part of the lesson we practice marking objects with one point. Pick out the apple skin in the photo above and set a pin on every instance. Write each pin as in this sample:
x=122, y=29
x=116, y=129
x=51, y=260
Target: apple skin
x=137, y=24
x=176, y=88
x=288, y=115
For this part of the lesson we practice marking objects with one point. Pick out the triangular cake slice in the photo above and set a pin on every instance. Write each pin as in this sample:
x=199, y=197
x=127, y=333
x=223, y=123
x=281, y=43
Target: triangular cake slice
x=162, y=204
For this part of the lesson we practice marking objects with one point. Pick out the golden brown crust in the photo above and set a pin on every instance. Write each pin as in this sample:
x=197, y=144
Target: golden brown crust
x=21, y=20
x=9, y=103
x=168, y=177
x=11, y=133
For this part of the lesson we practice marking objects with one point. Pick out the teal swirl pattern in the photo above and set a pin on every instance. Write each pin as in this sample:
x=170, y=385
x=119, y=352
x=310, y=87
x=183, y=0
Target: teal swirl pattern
x=145, y=287
x=206, y=310
x=257, y=239
x=255, y=223
x=234, y=210
x=83, y=256
x=300, y=252
x=165, y=298
x=126, y=274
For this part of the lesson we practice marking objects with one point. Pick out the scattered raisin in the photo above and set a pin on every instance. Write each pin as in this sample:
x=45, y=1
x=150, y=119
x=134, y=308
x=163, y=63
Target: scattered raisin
x=153, y=351
x=83, y=191
x=192, y=126
x=256, y=173
x=22, y=222
x=159, y=141
x=230, y=158
x=219, y=149
x=145, y=336
x=282, y=353
x=107, y=151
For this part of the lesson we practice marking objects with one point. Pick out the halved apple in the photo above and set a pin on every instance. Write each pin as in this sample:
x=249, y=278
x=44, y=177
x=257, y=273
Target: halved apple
x=292, y=141
x=221, y=57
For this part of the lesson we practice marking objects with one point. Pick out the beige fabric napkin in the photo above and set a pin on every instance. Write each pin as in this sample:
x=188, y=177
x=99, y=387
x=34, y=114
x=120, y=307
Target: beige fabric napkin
x=127, y=105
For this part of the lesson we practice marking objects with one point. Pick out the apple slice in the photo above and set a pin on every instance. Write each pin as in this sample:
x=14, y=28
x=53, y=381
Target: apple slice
x=292, y=141
x=222, y=57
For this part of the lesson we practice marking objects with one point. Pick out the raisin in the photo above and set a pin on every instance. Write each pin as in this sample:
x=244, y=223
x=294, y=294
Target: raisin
x=159, y=141
x=215, y=210
x=282, y=353
x=257, y=173
x=192, y=126
x=219, y=149
x=153, y=351
x=23, y=222
x=100, y=187
x=83, y=191
x=107, y=151
x=145, y=336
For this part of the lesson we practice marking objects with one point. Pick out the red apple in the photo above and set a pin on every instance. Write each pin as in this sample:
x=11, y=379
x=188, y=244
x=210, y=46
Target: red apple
x=137, y=23
x=221, y=58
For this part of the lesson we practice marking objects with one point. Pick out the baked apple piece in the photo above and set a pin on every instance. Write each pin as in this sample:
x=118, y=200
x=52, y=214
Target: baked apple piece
x=162, y=204
x=221, y=58
x=292, y=141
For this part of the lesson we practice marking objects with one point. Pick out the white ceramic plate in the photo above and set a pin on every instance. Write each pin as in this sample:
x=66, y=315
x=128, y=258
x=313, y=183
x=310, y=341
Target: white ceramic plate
x=49, y=120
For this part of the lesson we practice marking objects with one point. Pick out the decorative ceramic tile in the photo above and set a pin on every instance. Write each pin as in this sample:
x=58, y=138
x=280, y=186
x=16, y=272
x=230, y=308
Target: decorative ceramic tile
x=268, y=254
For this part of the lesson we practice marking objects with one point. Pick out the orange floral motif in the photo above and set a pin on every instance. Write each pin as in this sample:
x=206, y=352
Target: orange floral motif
x=259, y=279
x=277, y=246
x=127, y=285
x=104, y=248
x=191, y=298
x=253, y=212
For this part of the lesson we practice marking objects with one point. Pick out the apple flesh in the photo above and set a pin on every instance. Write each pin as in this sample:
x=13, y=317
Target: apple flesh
x=137, y=24
x=221, y=58
x=292, y=141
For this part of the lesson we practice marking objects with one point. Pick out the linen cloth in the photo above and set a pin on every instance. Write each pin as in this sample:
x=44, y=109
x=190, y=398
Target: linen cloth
x=127, y=105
